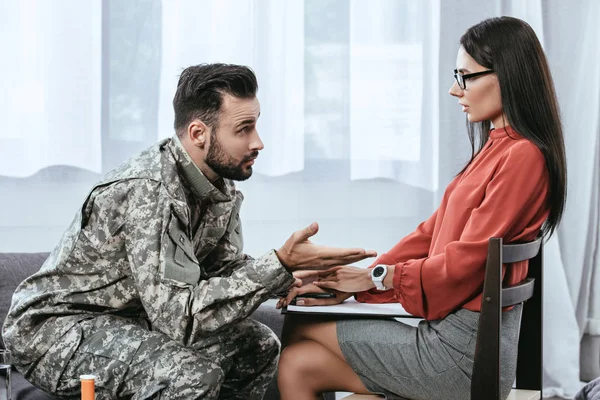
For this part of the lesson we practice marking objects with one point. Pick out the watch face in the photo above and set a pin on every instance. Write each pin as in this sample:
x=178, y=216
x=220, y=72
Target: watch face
x=378, y=271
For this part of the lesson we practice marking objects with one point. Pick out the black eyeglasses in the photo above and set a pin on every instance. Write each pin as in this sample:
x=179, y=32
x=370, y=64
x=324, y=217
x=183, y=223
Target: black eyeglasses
x=462, y=79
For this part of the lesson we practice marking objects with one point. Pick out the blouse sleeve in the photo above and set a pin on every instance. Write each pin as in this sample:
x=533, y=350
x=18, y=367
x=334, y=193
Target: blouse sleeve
x=413, y=246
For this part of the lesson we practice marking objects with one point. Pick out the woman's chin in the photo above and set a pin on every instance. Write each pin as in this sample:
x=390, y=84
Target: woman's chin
x=473, y=118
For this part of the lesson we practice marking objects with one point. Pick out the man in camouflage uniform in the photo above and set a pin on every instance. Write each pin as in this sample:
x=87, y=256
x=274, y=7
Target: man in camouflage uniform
x=149, y=289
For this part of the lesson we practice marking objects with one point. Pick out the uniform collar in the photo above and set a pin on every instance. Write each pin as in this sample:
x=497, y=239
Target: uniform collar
x=198, y=183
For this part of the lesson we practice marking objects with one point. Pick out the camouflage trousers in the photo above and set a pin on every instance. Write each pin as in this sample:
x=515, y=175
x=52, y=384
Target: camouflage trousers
x=130, y=361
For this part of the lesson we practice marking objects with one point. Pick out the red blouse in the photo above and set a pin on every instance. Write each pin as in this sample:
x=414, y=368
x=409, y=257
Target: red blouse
x=440, y=266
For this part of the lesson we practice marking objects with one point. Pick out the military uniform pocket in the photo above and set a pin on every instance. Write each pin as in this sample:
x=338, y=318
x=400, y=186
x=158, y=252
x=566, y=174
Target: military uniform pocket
x=235, y=235
x=48, y=370
x=106, y=356
x=180, y=264
x=234, y=229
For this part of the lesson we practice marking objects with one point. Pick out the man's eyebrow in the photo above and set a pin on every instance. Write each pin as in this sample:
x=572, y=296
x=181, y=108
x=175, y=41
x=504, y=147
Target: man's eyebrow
x=463, y=70
x=246, y=121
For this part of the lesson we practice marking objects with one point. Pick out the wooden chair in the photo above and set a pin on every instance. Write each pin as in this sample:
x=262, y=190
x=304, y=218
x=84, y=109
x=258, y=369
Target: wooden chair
x=485, y=384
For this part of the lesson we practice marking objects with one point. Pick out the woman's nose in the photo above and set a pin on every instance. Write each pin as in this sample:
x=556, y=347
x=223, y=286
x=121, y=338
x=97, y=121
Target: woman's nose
x=455, y=90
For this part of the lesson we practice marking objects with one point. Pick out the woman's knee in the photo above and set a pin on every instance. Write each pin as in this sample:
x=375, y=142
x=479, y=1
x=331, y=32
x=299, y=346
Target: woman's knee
x=300, y=360
x=291, y=365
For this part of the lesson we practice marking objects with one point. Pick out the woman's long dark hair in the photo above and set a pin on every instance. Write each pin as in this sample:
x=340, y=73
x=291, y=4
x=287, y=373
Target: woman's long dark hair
x=510, y=47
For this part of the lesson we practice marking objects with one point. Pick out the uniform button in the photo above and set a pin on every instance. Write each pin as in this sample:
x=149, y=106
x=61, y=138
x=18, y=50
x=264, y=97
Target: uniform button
x=181, y=239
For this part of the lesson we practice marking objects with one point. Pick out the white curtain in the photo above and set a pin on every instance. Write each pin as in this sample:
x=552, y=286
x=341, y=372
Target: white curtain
x=267, y=35
x=575, y=58
x=394, y=46
x=50, y=85
x=360, y=132
x=561, y=331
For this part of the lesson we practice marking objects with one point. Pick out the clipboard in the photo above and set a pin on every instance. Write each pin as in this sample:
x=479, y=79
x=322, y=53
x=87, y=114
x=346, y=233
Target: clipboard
x=353, y=308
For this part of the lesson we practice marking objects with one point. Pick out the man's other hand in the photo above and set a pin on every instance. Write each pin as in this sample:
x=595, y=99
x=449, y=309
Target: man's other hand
x=300, y=253
x=340, y=297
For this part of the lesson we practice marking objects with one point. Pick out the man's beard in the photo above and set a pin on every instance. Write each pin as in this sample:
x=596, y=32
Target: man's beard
x=224, y=165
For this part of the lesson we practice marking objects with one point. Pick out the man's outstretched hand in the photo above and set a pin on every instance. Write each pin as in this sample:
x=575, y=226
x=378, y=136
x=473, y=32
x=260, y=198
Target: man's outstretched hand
x=300, y=253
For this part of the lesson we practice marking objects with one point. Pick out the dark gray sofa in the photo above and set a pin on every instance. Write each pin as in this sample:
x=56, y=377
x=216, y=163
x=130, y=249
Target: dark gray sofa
x=15, y=267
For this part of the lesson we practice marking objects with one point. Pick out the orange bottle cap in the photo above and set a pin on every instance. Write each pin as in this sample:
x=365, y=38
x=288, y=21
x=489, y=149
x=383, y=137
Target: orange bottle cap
x=87, y=387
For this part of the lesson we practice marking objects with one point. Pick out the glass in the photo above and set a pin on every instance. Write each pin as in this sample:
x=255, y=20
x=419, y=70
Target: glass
x=462, y=79
x=5, y=366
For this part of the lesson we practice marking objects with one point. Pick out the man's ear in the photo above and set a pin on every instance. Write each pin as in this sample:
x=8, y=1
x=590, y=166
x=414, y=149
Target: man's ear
x=197, y=133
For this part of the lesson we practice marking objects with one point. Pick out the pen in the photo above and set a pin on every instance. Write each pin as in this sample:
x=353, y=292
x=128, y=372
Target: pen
x=312, y=296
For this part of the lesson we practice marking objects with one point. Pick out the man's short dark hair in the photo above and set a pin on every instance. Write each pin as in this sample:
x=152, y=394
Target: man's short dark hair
x=200, y=92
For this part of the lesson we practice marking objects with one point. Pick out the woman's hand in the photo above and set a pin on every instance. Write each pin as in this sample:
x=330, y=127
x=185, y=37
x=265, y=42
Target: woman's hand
x=345, y=279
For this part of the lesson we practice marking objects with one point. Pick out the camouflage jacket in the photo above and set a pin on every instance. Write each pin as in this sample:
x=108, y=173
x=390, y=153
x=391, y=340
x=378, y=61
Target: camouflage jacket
x=154, y=241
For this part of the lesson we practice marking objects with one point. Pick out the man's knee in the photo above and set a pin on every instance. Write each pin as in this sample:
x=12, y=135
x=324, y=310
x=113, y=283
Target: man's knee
x=270, y=344
x=191, y=379
x=262, y=338
x=256, y=347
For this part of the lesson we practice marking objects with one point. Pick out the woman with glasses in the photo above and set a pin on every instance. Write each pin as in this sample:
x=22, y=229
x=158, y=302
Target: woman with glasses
x=514, y=186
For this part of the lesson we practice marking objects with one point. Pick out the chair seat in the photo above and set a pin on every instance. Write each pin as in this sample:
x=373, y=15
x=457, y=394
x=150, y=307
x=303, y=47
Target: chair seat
x=515, y=394
x=520, y=394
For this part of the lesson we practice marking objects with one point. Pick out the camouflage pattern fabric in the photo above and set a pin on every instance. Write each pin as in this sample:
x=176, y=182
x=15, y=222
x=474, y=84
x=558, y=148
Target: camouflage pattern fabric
x=236, y=363
x=155, y=243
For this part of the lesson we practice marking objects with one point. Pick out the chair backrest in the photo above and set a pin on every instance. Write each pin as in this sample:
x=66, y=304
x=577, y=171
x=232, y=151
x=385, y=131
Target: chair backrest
x=485, y=382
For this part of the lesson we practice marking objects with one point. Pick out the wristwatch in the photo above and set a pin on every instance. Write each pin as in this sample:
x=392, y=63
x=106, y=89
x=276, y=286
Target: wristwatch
x=378, y=274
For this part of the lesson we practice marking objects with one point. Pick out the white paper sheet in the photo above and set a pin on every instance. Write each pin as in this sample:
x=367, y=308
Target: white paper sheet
x=352, y=307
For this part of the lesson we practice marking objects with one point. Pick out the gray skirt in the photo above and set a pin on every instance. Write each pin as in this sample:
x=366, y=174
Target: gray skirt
x=431, y=361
